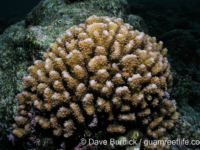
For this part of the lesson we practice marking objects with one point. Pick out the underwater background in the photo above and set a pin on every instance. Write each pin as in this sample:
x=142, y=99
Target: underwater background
x=28, y=27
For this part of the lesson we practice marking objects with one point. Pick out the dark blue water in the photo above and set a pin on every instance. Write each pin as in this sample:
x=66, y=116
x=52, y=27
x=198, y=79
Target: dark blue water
x=12, y=11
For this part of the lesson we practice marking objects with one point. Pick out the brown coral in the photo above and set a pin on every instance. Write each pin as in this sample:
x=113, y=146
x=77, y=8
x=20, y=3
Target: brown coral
x=100, y=67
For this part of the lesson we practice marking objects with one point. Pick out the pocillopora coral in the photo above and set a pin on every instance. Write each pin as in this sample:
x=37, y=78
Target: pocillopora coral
x=101, y=67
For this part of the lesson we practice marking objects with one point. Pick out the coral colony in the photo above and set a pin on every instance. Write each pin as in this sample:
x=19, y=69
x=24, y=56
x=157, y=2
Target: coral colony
x=99, y=68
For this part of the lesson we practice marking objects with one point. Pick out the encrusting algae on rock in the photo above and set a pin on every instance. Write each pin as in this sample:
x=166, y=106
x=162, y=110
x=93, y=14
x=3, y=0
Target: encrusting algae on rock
x=99, y=68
